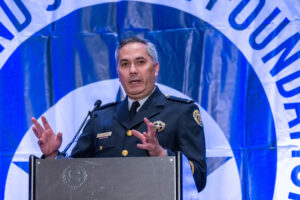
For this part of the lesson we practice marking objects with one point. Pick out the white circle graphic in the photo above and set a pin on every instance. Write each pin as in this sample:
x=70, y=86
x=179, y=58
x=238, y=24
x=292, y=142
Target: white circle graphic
x=67, y=114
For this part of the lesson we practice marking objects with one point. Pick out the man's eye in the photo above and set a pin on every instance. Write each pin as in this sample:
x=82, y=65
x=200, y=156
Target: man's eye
x=125, y=64
x=140, y=62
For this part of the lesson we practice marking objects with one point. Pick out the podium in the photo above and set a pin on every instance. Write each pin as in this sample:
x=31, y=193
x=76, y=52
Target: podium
x=130, y=178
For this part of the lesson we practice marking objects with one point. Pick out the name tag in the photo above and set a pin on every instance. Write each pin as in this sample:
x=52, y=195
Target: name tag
x=104, y=135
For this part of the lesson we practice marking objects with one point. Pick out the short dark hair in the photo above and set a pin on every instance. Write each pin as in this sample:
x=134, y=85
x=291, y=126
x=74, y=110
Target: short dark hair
x=151, y=50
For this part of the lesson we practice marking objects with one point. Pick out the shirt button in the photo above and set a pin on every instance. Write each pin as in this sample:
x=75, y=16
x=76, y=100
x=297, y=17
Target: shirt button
x=100, y=148
x=124, y=153
x=129, y=133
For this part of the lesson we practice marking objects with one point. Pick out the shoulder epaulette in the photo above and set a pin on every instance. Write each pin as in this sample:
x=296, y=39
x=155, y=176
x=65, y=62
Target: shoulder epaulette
x=107, y=105
x=179, y=99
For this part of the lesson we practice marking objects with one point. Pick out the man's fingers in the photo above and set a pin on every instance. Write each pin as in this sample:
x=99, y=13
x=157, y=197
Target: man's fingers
x=36, y=132
x=45, y=122
x=150, y=127
x=138, y=135
x=148, y=137
x=148, y=123
x=59, y=137
x=37, y=125
x=143, y=146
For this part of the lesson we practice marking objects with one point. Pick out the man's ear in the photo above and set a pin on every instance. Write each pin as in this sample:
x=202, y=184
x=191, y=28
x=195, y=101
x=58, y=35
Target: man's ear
x=118, y=73
x=156, y=66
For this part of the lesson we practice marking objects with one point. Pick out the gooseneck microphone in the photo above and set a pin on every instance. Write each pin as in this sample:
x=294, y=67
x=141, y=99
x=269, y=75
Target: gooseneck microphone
x=97, y=105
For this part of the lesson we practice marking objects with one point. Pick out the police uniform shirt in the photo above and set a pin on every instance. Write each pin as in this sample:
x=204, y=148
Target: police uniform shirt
x=178, y=125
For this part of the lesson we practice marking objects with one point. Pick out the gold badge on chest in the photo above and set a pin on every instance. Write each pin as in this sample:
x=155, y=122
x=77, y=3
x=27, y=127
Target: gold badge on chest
x=159, y=126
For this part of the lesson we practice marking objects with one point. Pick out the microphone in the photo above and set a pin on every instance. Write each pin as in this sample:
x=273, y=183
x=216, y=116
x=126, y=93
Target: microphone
x=97, y=105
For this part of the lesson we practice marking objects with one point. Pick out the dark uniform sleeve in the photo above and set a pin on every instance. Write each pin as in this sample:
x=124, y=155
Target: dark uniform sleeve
x=192, y=143
x=85, y=144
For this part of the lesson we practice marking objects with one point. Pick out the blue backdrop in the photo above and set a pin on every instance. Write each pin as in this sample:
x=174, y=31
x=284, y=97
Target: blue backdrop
x=196, y=59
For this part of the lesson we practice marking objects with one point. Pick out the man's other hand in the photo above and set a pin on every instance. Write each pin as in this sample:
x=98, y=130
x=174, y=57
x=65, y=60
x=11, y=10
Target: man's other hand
x=48, y=141
x=149, y=140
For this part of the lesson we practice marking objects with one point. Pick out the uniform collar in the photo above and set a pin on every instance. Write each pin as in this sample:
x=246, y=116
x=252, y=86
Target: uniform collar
x=151, y=107
x=141, y=102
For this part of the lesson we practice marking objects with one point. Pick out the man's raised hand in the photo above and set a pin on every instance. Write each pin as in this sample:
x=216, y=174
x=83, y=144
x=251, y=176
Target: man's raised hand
x=149, y=140
x=48, y=141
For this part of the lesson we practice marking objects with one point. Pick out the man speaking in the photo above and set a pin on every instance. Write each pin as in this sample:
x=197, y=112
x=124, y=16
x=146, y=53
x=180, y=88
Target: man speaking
x=146, y=123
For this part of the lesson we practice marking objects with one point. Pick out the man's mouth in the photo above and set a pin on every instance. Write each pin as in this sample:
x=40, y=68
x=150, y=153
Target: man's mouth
x=134, y=81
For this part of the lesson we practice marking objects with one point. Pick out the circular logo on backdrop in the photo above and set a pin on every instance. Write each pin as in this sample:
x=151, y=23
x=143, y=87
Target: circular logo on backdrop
x=231, y=121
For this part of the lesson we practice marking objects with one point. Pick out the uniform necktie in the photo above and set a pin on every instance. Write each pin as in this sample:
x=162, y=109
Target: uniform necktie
x=133, y=109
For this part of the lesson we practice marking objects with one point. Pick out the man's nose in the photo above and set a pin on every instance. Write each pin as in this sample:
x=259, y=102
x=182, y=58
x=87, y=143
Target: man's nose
x=132, y=68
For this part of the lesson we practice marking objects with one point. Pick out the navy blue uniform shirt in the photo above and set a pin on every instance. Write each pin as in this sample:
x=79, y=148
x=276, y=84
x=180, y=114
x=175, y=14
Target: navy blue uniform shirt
x=178, y=123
